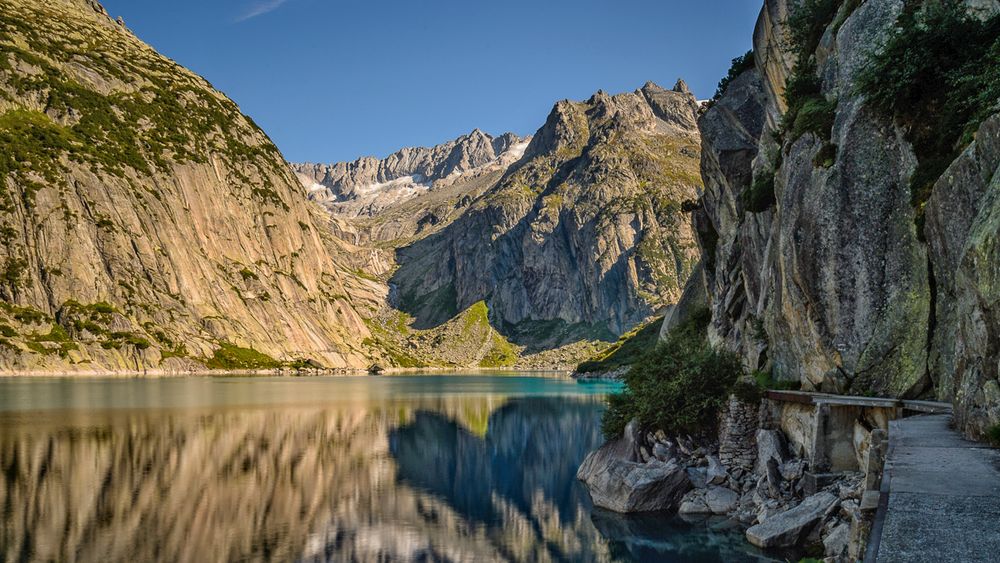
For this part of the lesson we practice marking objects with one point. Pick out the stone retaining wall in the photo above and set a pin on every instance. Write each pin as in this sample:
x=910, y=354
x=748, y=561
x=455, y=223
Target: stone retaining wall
x=738, y=434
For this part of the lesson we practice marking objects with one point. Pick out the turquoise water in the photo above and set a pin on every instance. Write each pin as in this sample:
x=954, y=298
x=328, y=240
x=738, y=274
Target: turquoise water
x=395, y=468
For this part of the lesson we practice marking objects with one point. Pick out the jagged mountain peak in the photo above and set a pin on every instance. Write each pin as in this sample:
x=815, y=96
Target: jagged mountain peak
x=651, y=107
x=583, y=237
x=367, y=185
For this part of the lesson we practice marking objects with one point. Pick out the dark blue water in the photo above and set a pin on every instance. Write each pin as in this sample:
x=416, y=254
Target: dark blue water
x=407, y=468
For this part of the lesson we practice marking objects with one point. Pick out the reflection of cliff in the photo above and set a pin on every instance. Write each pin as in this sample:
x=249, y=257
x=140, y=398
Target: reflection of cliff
x=444, y=478
x=240, y=485
x=283, y=484
x=522, y=471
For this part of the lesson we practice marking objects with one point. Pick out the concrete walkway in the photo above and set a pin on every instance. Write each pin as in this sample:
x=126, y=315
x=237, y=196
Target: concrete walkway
x=943, y=495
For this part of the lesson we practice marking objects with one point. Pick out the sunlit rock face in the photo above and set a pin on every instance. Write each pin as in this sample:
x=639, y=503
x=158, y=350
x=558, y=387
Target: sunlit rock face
x=143, y=218
x=583, y=237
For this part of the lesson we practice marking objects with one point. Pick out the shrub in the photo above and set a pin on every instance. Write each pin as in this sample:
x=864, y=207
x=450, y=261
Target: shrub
x=938, y=76
x=760, y=195
x=56, y=334
x=179, y=351
x=766, y=381
x=993, y=435
x=29, y=315
x=814, y=115
x=102, y=308
x=13, y=271
x=808, y=21
x=677, y=387
x=739, y=65
x=230, y=356
x=807, y=109
x=117, y=339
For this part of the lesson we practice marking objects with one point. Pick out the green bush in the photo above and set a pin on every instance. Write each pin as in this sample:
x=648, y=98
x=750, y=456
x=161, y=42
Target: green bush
x=814, y=115
x=764, y=380
x=938, y=76
x=232, y=357
x=679, y=386
x=739, y=65
x=807, y=110
x=29, y=315
x=760, y=195
x=117, y=339
x=993, y=435
x=808, y=21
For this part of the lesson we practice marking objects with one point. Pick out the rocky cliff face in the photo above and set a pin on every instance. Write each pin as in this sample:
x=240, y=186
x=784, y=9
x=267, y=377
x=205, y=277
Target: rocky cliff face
x=816, y=263
x=146, y=223
x=583, y=237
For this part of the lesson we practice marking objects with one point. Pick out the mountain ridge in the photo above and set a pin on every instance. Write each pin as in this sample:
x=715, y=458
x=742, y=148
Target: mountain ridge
x=368, y=184
x=555, y=202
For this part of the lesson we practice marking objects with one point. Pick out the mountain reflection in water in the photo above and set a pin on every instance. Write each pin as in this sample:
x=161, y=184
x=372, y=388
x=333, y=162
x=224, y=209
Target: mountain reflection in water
x=402, y=476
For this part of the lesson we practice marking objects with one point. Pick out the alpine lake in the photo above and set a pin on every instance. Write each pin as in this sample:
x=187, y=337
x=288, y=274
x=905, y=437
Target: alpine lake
x=409, y=467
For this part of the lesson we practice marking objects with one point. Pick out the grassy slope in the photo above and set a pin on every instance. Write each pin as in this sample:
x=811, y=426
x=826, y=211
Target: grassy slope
x=627, y=350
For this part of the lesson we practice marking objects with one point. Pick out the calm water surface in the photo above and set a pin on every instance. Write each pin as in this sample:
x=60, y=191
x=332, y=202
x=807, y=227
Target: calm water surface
x=401, y=468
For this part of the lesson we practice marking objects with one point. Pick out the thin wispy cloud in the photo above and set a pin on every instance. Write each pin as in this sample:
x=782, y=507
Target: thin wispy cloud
x=259, y=9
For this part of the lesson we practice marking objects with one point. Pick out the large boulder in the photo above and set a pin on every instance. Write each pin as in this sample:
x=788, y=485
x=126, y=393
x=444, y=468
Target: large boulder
x=627, y=486
x=618, y=480
x=788, y=528
x=625, y=448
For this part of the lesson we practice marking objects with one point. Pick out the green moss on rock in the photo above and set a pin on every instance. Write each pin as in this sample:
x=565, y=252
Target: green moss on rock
x=232, y=357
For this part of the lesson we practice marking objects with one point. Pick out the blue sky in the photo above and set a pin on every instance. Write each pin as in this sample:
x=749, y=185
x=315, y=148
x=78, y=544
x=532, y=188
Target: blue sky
x=332, y=80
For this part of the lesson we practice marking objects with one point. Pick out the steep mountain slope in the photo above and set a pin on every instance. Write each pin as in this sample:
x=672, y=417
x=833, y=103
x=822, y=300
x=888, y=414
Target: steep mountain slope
x=583, y=237
x=827, y=260
x=146, y=223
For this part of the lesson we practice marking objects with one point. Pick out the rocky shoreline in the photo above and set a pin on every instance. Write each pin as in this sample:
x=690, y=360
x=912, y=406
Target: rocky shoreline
x=612, y=375
x=746, y=472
